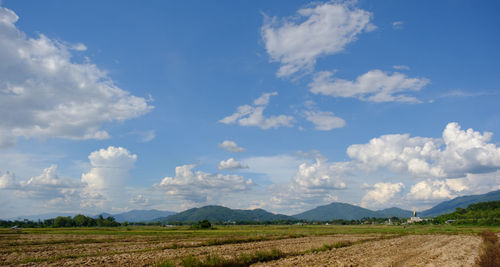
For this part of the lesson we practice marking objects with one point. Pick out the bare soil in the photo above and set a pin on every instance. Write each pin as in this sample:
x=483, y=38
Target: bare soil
x=412, y=250
x=142, y=252
x=367, y=250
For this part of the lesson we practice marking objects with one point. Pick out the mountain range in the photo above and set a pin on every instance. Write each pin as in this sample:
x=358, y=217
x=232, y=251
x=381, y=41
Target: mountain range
x=331, y=211
x=138, y=215
x=219, y=213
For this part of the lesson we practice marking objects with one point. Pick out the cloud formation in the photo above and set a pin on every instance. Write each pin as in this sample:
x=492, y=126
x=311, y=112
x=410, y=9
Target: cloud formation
x=200, y=187
x=231, y=164
x=47, y=186
x=324, y=120
x=252, y=115
x=231, y=146
x=373, y=86
x=108, y=174
x=45, y=94
x=457, y=153
x=433, y=190
x=321, y=175
x=323, y=29
x=381, y=193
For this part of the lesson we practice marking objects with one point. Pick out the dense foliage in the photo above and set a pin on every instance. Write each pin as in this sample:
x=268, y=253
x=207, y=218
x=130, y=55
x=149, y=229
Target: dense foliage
x=60, y=221
x=460, y=202
x=484, y=213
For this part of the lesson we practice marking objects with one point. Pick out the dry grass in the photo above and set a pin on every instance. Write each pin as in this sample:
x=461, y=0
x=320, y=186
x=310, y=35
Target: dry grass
x=490, y=255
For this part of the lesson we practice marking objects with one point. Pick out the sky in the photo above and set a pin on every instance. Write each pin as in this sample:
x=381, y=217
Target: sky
x=109, y=106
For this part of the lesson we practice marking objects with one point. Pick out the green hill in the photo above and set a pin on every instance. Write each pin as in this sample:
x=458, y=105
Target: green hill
x=336, y=211
x=459, y=202
x=483, y=213
x=219, y=213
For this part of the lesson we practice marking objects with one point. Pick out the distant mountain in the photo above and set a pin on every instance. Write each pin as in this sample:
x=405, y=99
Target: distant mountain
x=137, y=215
x=391, y=212
x=335, y=211
x=219, y=213
x=459, y=202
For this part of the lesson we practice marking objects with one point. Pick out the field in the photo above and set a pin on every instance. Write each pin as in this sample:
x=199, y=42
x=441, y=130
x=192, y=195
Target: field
x=314, y=245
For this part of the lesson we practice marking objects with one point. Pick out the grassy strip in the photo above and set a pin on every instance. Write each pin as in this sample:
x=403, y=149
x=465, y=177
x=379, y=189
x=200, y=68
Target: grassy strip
x=490, y=254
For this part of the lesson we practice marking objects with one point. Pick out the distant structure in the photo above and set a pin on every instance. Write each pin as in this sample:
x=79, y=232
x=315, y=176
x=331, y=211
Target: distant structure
x=415, y=218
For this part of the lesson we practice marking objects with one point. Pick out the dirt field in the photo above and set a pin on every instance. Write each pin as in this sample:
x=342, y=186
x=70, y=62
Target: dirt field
x=300, y=246
x=422, y=250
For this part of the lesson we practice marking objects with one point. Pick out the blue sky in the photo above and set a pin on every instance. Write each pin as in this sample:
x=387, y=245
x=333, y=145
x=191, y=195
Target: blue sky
x=111, y=106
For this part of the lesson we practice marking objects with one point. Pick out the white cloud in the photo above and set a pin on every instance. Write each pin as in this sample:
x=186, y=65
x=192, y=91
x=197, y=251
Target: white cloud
x=375, y=86
x=46, y=186
x=231, y=146
x=321, y=175
x=432, y=190
x=313, y=184
x=247, y=115
x=8, y=181
x=381, y=193
x=199, y=187
x=109, y=171
x=456, y=154
x=44, y=94
x=324, y=120
x=324, y=29
x=398, y=25
x=231, y=164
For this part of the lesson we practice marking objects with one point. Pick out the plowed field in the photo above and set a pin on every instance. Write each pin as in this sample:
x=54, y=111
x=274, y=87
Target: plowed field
x=298, y=246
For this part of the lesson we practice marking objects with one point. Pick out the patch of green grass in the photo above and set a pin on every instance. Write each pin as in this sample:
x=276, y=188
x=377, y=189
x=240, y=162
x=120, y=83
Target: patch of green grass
x=166, y=263
x=191, y=261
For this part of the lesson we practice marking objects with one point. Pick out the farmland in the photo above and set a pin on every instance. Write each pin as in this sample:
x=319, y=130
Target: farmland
x=292, y=245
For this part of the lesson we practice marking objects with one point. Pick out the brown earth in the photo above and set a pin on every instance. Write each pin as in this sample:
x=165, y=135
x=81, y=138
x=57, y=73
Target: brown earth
x=412, y=250
x=141, y=251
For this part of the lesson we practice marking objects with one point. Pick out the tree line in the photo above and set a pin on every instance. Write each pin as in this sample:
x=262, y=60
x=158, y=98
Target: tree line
x=62, y=221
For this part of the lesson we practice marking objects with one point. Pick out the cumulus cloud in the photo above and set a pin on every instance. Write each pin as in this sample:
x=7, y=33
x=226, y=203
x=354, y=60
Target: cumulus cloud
x=324, y=120
x=432, y=190
x=381, y=193
x=321, y=175
x=252, y=115
x=231, y=146
x=323, y=29
x=231, y=164
x=45, y=94
x=102, y=187
x=199, y=187
x=458, y=153
x=312, y=184
x=46, y=186
x=109, y=171
x=374, y=86
x=7, y=181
